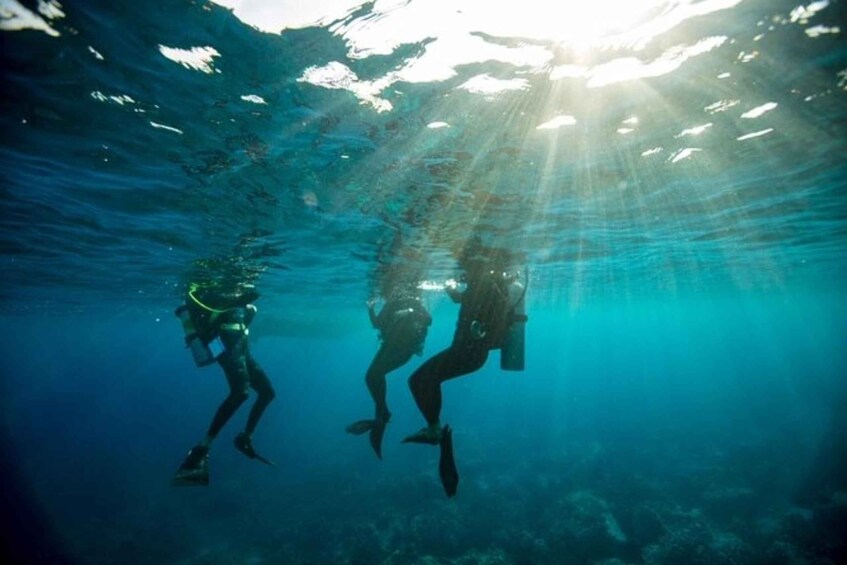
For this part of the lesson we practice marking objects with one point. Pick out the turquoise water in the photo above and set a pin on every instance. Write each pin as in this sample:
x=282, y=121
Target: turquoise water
x=670, y=174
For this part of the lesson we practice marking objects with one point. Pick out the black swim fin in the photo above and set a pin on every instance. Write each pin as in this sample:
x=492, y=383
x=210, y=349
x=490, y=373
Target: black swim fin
x=194, y=470
x=427, y=435
x=377, y=431
x=265, y=461
x=245, y=446
x=360, y=427
x=447, y=464
x=191, y=478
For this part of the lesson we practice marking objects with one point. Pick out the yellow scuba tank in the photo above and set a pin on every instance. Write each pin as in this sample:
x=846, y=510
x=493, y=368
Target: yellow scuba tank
x=200, y=351
x=514, y=344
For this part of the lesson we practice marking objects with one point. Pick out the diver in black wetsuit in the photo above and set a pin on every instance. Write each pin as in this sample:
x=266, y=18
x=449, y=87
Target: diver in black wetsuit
x=484, y=318
x=403, y=323
x=227, y=317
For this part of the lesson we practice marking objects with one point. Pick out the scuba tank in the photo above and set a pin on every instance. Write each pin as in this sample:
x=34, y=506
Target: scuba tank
x=200, y=351
x=513, y=349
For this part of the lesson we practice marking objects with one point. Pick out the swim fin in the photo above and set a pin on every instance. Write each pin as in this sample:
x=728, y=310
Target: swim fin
x=447, y=464
x=377, y=431
x=265, y=461
x=431, y=435
x=194, y=470
x=360, y=427
x=245, y=446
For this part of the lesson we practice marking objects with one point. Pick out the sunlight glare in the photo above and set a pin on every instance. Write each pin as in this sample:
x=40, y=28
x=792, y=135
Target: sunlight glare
x=579, y=22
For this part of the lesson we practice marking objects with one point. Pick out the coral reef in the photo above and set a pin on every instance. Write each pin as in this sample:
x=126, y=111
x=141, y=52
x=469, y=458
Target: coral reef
x=575, y=509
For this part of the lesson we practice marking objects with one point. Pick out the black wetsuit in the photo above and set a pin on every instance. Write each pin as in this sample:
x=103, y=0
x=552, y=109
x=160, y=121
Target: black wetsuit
x=241, y=370
x=403, y=325
x=484, y=318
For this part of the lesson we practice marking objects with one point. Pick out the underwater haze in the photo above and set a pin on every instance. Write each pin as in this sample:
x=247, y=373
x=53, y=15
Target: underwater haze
x=668, y=175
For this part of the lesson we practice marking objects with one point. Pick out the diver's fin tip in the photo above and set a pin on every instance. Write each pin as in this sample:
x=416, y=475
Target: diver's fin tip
x=360, y=427
x=426, y=435
x=447, y=464
x=189, y=483
x=244, y=444
x=265, y=461
x=190, y=479
x=375, y=437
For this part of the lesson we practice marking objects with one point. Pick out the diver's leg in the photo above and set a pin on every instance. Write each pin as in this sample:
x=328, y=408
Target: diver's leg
x=387, y=359
x=425, y=383
x=460, y=359
x=194, y=470
x=262, y=385
x=235, y=370
x=375, y=381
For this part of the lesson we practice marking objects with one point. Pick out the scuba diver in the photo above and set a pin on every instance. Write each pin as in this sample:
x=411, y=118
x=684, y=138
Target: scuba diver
x=403, y=323
x=216, y=328
x=491, y=316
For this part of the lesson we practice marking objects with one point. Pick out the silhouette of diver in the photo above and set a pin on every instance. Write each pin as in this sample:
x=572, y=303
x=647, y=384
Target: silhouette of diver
x=225, y=316
x=485, y=316
x=403, y=323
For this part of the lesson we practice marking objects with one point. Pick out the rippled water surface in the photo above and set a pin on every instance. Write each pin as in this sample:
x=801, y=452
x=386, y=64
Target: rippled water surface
x=621, y=147
x=670, y=173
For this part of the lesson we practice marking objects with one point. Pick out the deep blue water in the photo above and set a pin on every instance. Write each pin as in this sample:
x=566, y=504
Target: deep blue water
x=675, y=186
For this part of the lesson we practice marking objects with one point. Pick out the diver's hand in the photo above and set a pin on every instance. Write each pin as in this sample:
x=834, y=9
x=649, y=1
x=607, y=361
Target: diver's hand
x=451, y=287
